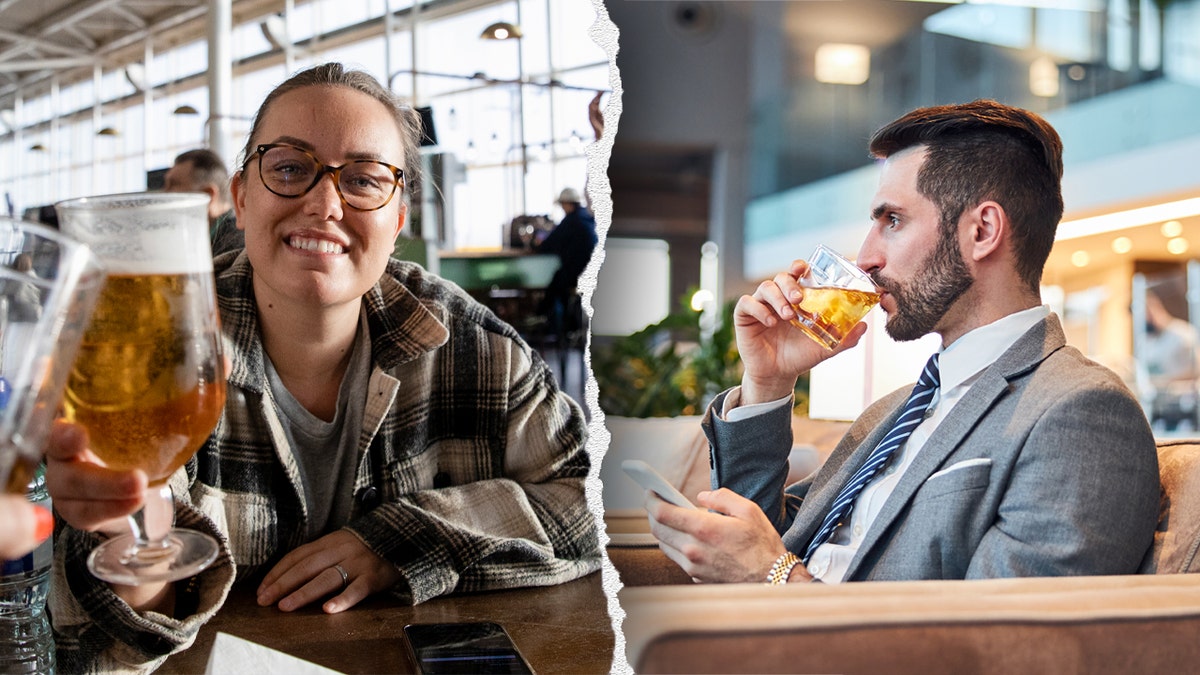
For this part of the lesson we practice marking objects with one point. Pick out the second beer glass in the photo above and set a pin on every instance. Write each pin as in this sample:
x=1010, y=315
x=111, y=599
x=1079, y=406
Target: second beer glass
x=149, y=382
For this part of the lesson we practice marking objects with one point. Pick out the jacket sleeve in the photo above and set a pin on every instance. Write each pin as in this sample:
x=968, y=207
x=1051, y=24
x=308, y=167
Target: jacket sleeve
x=553, y=243
x=750, y=457
x=523, y=520
x=96, y=632
x=1083, y=495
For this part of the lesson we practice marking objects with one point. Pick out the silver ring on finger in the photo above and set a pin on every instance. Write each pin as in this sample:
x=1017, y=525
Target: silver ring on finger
x=345, y=577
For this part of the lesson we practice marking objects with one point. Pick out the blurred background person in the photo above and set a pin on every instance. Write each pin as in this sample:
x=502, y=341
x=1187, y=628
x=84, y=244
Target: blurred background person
x=573, y=241
x=25, y=302
x=1170, y=362
x=202, y=170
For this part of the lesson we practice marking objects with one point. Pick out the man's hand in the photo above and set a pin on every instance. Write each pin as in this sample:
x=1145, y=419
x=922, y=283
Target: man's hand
x=310, y=572
x=774, y=352
x=735, y=544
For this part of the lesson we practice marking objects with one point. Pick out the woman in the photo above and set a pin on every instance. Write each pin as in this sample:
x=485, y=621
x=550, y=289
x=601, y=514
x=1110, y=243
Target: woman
x=383, y=432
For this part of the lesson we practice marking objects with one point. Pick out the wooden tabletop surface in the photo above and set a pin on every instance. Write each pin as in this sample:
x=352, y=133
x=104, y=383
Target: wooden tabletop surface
x=559, y=629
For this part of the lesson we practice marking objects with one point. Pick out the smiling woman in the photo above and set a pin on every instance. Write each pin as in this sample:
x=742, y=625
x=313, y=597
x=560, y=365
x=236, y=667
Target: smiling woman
x=383, y=432
x=318, y=246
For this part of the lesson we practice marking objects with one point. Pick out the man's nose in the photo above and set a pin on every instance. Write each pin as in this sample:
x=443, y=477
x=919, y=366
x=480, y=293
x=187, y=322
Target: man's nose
x=870, y=258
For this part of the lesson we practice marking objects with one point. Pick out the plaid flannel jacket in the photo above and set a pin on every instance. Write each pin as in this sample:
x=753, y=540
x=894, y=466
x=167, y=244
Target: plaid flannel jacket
x=471, y=471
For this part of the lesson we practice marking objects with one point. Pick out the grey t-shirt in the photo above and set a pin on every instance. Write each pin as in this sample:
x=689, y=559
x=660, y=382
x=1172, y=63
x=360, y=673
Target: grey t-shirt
x=327, y=452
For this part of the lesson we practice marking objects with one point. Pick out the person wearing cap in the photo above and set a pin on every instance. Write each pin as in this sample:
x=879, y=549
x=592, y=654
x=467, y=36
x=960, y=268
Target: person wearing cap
x=573, y=241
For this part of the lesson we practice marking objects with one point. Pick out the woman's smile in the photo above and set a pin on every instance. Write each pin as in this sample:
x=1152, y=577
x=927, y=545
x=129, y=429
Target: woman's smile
x=315, y=245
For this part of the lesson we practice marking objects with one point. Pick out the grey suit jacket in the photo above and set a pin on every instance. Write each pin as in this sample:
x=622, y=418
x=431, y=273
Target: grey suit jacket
x=1071, y=488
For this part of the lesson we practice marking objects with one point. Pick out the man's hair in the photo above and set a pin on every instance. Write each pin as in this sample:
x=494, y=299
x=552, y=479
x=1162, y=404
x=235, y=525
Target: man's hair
x=207, y=169
x=983, y=151
x=408, y=121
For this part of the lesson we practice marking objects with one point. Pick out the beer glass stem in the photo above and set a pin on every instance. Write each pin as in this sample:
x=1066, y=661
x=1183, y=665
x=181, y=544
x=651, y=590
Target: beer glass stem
x=153, y=522
x=154, y=550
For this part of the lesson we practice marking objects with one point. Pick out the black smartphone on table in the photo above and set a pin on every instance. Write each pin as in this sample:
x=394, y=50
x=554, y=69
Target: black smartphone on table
x=478, y=647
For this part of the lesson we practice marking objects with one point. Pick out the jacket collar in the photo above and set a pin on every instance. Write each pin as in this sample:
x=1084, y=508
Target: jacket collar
x=402, y=326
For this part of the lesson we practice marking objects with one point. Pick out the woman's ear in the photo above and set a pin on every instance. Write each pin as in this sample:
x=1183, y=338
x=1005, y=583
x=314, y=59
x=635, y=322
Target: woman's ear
x=239, y=198
x=239, y=195
x=401, y=217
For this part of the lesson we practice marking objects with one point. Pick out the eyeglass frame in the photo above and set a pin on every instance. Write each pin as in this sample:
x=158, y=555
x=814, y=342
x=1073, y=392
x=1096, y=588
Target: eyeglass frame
x=334, y=171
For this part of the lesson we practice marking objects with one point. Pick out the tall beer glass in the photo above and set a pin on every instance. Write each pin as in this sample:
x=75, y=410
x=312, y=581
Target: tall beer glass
x=48, y=286
x=149, y=381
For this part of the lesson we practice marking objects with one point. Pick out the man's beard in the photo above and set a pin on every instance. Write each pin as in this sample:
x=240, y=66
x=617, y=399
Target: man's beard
x=921, y=303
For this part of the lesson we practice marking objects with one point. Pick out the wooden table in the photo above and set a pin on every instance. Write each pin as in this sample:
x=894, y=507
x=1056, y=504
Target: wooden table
x=559, y=629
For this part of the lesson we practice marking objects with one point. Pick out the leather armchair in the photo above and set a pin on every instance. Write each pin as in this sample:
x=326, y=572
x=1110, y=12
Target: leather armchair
x=1117, y=624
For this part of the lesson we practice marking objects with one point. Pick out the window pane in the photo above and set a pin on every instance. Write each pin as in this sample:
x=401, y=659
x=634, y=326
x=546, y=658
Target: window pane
x=571, y=41
x=462, y=30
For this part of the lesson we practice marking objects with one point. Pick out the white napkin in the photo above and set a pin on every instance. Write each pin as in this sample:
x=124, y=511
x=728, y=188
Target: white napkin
x=234, y=656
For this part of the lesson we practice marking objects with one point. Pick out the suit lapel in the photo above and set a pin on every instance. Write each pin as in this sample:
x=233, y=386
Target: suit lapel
x=1026, y=353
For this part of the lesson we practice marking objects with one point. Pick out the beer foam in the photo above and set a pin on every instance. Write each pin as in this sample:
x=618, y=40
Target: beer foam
x=157, y=252
x=142, y=233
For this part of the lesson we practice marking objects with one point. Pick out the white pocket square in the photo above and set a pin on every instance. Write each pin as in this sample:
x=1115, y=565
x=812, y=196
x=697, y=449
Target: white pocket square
x=978, y=461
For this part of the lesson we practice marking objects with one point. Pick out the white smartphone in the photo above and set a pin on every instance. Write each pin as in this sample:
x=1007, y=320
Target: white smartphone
x=647, y=477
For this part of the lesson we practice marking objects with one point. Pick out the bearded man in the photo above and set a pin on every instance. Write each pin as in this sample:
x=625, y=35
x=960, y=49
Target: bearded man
x=1014, y=455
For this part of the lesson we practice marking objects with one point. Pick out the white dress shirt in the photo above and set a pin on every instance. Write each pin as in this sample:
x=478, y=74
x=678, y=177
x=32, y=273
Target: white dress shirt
x=961, y=365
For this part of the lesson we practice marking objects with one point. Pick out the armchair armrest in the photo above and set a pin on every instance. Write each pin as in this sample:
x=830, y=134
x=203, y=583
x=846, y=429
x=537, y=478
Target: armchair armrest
x=1134, y=623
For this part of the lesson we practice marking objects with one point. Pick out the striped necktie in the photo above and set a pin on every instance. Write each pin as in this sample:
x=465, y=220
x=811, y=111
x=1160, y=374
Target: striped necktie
x=912, y=415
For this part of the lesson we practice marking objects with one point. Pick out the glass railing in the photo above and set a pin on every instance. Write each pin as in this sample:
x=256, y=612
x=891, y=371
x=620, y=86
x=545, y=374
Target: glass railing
x=1049, y=56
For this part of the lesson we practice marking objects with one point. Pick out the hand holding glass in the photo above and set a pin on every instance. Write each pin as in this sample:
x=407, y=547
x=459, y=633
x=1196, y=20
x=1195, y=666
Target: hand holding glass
x=837, y=295
x=48, y=286
x=149, y=382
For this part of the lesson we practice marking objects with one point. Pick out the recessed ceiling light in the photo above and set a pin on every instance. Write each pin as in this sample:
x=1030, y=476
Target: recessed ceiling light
x=1080, y=258
x=1177, y=246
x=839, y=63
x=1043, y=77
x=1122, y=245
x=1172, y=228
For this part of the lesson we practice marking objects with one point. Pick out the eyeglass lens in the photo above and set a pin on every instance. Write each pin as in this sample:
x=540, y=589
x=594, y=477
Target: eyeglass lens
x=291, y=172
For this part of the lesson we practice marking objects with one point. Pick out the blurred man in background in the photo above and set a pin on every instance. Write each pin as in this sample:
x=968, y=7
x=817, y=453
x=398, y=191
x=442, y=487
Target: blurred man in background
x=1172, y=366
x=202, y=170
x=573, y=242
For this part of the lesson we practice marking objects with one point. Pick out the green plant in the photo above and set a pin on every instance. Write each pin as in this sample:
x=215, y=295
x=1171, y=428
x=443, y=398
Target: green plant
x=667, y=370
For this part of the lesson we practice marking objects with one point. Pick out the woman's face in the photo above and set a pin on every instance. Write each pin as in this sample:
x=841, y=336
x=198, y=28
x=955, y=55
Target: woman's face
x=314, y=249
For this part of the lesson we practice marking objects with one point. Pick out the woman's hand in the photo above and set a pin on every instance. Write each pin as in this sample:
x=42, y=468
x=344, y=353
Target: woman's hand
x=93, y=498
x=311, y=572
x=86, y=494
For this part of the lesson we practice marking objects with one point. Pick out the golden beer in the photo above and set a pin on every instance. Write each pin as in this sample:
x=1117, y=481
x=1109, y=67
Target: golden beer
x=827, y=314
x=148, y=382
